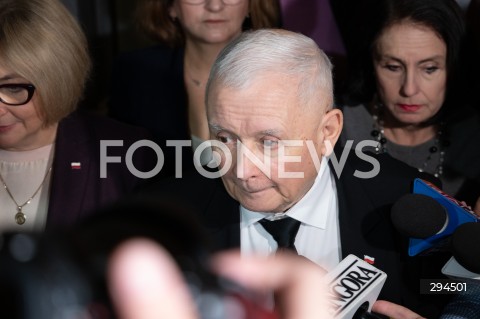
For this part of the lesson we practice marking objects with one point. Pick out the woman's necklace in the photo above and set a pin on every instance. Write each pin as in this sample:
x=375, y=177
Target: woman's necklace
x=194, y=80
x=20, y=217
x=199, y=83
x=378, y=133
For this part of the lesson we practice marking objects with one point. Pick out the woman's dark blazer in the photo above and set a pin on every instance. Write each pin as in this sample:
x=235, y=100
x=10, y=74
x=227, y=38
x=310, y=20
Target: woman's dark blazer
x=78, y=190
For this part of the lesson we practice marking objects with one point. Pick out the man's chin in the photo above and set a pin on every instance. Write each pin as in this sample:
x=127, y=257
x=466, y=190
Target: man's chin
x=264, y=200
x=263, y=205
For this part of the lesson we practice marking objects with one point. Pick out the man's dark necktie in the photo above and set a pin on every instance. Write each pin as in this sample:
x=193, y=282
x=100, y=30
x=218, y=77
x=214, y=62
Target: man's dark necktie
x=283, y=231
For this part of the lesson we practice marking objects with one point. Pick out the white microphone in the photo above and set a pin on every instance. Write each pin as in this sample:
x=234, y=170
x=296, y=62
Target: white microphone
x=354, y=285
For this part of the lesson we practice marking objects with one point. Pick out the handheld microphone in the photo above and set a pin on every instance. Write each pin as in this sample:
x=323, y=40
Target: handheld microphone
x=464, y=266
x=465, y=262
x=429, y=216
x=354, y=285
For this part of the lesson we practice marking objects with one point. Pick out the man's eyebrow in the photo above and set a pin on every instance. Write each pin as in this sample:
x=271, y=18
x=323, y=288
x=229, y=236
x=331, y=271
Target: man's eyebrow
x=272, y=132
x=218, y=128
x=215, y=127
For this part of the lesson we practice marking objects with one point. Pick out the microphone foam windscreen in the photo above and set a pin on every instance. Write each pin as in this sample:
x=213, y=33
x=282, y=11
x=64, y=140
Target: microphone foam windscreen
x=466, y=247
x=418, y=216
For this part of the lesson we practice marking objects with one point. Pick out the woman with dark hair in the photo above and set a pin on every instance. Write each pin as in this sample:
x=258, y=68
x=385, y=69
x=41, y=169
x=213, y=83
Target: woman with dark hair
x=162, y=88
x=404, y=92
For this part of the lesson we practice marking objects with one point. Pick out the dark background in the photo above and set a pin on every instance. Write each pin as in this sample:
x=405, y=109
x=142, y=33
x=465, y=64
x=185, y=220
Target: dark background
x=110, y=29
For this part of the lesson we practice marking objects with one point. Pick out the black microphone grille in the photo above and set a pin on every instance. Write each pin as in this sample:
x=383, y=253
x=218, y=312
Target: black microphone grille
x=466, y=247
x=418, y=216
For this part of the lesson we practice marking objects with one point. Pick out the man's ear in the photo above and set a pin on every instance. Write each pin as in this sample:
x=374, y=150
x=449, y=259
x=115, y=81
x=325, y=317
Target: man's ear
x=332, y=124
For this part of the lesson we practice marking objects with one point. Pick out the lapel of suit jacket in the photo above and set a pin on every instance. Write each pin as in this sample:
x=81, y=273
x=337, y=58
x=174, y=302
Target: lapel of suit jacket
x=69, y=184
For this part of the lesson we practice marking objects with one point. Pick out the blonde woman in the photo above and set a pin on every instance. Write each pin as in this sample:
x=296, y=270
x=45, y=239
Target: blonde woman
x=49, y=153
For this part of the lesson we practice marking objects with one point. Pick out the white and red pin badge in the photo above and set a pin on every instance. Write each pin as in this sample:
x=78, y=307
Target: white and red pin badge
x=76, y=165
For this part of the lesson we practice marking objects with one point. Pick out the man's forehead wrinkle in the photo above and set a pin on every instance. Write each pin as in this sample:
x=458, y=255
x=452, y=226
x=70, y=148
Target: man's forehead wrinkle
x=233, y=110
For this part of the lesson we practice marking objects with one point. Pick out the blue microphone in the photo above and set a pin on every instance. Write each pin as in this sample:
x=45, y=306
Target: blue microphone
x=429, y=217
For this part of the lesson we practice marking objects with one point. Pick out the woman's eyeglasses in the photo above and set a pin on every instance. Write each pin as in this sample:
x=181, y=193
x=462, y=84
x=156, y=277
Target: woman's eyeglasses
x=16, y=94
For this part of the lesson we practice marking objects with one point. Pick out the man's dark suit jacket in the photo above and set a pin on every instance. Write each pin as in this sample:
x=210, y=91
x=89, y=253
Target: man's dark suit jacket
x=364, y=221
x=78, y=192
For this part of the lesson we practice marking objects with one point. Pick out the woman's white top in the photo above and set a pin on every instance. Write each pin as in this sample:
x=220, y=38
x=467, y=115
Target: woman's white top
x=23, y=172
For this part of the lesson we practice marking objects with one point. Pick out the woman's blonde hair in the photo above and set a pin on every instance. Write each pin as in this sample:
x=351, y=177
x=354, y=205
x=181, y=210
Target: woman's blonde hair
x=43, y=43
x=154, y=19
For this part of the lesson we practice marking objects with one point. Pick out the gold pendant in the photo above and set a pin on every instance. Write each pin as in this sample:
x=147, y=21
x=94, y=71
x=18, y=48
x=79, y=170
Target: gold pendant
x=20, y=218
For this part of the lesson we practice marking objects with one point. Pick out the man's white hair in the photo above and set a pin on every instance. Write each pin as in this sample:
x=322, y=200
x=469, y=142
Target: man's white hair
x=267, y=51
